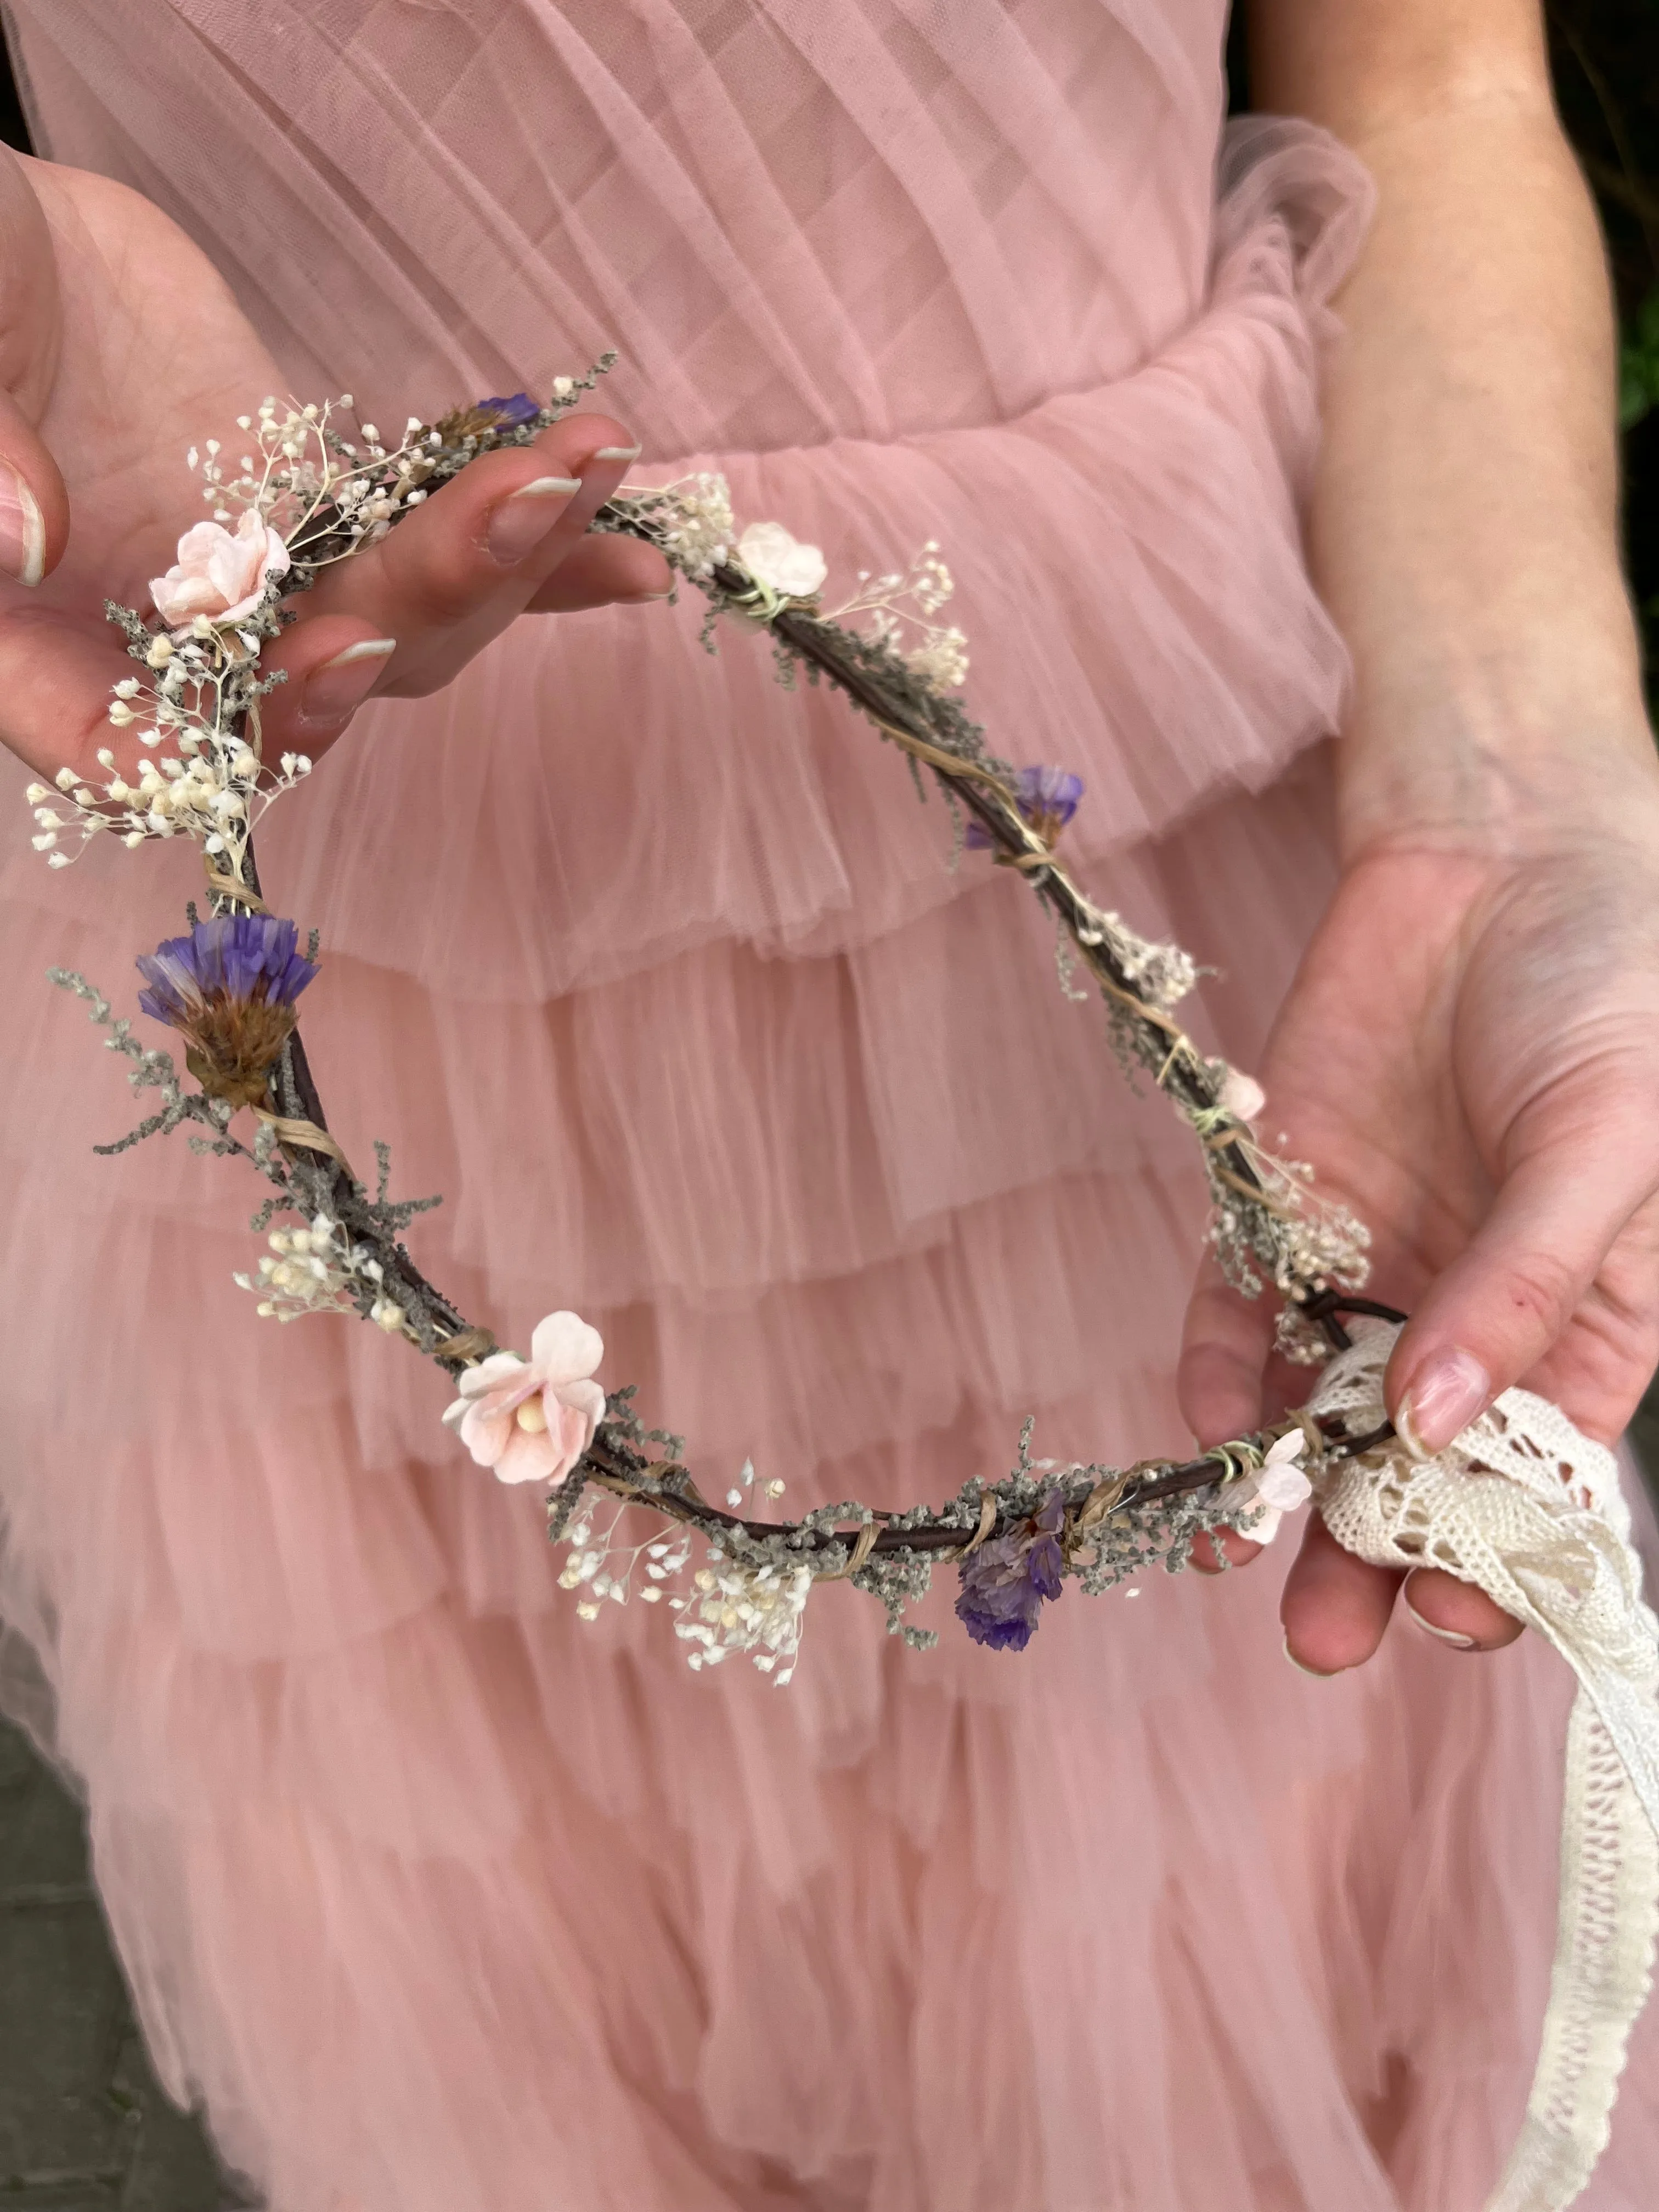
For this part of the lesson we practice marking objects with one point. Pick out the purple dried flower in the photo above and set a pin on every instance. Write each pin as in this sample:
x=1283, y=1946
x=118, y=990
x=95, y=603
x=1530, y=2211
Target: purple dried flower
x=512, y=412
x=1005, y=1583
x=228, y=988
x=1046, y=797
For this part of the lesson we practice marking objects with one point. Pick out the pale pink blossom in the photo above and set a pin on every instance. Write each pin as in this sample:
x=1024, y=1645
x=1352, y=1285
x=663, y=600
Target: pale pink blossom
x=773, y=557
x=1243, y=1096
x=532, y=1420
x=220, y=573
x=1278, y=1484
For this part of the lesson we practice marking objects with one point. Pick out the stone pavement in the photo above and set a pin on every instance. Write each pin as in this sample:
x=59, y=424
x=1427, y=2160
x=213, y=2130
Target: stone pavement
x=83, y=2126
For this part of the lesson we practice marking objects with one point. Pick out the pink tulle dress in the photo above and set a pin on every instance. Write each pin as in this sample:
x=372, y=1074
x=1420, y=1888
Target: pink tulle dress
x=438, y=1898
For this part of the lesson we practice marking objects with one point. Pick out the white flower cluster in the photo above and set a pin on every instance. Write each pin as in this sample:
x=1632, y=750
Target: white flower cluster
x=301, y=465
x=604, y=1569
x=1164, y=975
x=213, y=787
x=314, y=1270
x=730, y=1606
x=698, y=527
x=1305, y=1241
x=901, y=607
x=742, y=1608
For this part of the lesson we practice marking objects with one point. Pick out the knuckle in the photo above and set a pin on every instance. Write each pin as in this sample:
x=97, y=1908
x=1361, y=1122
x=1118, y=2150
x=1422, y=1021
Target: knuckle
x=1541, y=1288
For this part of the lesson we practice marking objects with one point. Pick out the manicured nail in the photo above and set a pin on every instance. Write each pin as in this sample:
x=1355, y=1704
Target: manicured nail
x=1447, y=1396
x=1312, y=1673
x=22, y=529
x=340, y=686
x=1441, y=1635
x=618, y=453
x=522, y=520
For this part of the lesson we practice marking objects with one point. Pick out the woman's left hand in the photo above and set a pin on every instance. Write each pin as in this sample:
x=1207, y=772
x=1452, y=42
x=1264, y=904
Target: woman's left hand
x=1469, y=1056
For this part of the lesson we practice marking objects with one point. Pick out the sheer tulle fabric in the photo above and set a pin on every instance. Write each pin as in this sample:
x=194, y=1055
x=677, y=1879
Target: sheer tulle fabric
x=437, y=1897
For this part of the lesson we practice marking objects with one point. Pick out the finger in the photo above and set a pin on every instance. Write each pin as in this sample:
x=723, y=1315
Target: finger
x=1456, y=1614
x=457, y=570
x=602, y=570
x=56, y=674
x=35, y=517
x=1494, y=1313
x=331, y=664
x=1237, y=1550
x=1335, y=1608
x=1224, y=1348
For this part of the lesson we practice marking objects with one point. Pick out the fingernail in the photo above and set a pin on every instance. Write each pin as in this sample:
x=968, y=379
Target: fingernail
x=340, y=686
x=523, y=519
x=645, y=599
x=22, y=529
x=1312, y=1673
x=1441, y=1635
x=617, y=452
x=1447, y=1396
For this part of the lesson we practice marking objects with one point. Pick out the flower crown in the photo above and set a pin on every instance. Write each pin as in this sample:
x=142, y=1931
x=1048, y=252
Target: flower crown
x=1551, y=1549
x=308, y=495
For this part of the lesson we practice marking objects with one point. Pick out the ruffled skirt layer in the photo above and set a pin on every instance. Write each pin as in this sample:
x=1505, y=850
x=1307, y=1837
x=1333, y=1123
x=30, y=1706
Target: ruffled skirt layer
x=442, y=1899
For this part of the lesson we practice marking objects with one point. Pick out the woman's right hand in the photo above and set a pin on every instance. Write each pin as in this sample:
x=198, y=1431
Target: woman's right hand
x=120, y=347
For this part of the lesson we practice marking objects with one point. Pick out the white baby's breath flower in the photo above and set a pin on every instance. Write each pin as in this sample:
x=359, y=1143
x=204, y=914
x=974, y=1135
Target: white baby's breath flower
x=941, y=661
x=744, y=1608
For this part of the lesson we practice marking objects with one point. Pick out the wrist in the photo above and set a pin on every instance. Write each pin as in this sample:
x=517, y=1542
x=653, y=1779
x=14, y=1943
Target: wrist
x=1505, y=752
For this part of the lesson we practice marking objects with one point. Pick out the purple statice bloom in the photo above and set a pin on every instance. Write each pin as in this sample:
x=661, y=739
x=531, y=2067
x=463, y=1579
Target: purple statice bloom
x=228, y=988
x=512, y=412
x=1005, y=1583
x=1046, y=797
x=251, y=958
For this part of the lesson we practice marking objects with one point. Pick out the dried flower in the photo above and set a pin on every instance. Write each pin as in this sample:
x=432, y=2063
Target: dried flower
x=1046, y=797
x=511, y=414
x=1005, y=1581
x=742, y=1608
x=228, y=988
x=532, y=1420
x=781, y=562
x=220, y=574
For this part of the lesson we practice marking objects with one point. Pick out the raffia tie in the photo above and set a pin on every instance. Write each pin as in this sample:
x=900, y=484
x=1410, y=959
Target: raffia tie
x=1530, y=1511
x=305, y=1134
x=860, y=1552
x=223, y=886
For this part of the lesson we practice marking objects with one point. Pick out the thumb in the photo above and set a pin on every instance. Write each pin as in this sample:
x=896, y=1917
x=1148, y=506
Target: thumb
x=1591, y=1160
x=34, y=502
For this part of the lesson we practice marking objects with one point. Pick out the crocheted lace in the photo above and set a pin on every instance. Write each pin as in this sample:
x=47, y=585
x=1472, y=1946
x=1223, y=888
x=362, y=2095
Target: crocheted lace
x=1530, y=1511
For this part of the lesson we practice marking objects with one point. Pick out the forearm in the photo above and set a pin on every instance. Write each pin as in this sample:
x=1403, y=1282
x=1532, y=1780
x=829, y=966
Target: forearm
x=1463, y=526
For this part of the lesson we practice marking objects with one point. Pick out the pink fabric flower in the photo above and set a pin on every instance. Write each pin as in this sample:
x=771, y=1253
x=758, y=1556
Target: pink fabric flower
x=1243, y=1096
x=219, y=573
x=1280, y=1484
x=532, y=1420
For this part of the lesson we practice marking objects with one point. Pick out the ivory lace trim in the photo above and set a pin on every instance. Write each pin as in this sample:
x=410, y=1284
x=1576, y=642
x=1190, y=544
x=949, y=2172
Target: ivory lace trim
x=1530, y=1511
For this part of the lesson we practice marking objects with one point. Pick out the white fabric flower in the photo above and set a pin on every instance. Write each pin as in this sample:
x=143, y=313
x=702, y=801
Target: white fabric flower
x=773, y=557
x=532, y=1420
x=220, y=574
x=1278, y=1484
